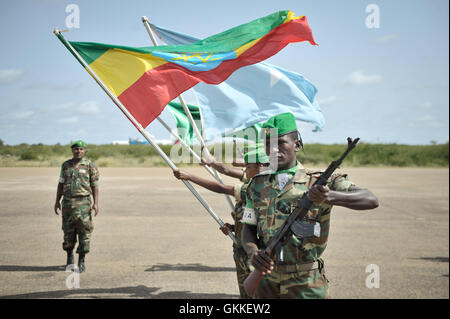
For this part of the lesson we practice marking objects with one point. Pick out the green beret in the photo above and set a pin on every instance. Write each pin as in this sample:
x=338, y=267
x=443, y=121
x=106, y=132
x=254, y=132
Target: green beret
x=284, y=122
x=78, y=143
x=257, y=156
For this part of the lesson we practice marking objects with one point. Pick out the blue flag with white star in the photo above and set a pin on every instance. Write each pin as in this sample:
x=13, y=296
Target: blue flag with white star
x=251, y=95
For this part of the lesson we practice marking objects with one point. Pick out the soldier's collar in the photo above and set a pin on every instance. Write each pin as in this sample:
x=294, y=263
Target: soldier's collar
x=292, y=170
x=82, y=161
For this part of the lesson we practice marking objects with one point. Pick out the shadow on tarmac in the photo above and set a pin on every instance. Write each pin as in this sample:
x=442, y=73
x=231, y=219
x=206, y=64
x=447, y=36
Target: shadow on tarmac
x=129, y=292
x=188, y=267
x=438, y=259
x=31, y=268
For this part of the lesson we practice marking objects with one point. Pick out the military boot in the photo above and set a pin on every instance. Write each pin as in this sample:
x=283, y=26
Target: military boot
x=81, y=265
x=69, y=258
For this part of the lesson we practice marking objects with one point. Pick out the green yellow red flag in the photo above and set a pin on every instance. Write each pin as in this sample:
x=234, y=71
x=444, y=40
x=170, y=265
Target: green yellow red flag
x=146, y=79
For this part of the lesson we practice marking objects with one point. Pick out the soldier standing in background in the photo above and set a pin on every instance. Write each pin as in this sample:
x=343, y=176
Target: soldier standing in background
x=78, y=180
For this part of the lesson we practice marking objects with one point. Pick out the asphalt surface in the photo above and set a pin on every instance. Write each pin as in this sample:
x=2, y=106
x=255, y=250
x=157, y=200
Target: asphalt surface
x=153, y=239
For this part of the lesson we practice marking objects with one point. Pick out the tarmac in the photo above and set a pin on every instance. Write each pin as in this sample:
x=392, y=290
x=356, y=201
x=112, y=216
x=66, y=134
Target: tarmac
x=153, y=239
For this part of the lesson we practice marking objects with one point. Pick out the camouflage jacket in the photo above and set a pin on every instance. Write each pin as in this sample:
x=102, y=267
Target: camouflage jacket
x=78, y=180
x=269, y=205
x=240, y=194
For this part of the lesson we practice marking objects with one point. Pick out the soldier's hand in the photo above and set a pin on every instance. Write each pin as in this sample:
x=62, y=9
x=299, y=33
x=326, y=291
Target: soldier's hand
x=179, y=174
x=57, y=207
x=95, y=208
x=318, y=193
x=238, y=162
x=226, y=229
x=261, y=261
x=211, y=160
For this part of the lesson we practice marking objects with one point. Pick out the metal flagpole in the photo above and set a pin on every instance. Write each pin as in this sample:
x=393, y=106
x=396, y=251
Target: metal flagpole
x=183, y=143
x=188, y=113
x=139, y=128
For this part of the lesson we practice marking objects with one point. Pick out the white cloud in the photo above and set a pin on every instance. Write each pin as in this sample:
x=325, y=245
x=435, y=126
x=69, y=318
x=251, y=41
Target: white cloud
x=23, y=115
x=88, y=107
x=358, y=77
x=53, y=86
x=68, y=120
x=8, y=76
x=327, y=101
x=58, y=107
x=387, y=38
x=425, y=121
x=426, y=105
x=427, y=118
x=81, y=133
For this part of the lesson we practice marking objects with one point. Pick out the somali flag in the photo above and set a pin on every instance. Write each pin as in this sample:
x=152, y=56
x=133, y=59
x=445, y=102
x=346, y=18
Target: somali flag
x=251, y=95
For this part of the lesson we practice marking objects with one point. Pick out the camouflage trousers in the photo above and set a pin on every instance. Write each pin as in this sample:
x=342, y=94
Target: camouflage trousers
x=298, y=285
x=242, y=269
x=77, y=220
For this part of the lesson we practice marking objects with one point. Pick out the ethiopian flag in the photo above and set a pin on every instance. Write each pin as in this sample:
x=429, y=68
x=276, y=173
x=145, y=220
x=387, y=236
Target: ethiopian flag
x=146, y=79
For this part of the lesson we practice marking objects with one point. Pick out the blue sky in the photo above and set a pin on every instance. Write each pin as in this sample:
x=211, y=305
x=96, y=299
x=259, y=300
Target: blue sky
x=386, y=85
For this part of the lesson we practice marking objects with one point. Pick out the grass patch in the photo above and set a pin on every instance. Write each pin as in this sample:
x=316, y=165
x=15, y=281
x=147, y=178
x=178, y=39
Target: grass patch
x=373, y=155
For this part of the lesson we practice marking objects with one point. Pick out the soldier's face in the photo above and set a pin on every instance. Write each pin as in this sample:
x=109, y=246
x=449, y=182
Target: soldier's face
x=281, y=152
x=78, y=152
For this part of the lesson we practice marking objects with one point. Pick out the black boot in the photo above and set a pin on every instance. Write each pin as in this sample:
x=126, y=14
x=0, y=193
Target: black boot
x=81, y=265
x=69, y=258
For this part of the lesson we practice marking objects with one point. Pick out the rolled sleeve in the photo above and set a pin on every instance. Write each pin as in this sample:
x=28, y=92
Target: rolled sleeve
x=244, y=178
x=237, y=192
x=94, y=176
x=61, y=178
x=341, y=183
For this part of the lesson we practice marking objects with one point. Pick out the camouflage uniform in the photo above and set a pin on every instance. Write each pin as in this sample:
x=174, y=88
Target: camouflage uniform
x=239, y=254
x=268, y=206
x=78, y=182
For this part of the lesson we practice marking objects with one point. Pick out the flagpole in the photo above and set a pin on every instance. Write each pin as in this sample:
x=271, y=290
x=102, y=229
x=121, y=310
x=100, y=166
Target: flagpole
x=139, y=128
x=183, y=103
x=188, y=113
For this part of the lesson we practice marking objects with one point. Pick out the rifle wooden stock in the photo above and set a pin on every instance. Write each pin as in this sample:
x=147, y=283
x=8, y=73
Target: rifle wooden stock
x=251, y=283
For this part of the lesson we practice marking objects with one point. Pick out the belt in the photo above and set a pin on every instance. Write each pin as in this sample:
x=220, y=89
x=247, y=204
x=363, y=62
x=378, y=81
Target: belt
x=297, y=267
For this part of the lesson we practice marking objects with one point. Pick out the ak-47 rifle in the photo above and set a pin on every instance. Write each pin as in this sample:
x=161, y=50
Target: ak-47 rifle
x=284, y=233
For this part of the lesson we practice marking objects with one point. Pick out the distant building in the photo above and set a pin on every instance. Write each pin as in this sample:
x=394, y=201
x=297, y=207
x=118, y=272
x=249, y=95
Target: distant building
x=120, y=142
x=137, y=141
